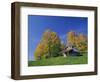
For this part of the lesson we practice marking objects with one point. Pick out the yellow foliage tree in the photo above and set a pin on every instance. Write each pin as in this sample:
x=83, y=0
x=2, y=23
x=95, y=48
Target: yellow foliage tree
x=83, y=42
x=71, y=38
x=49, y=44
x=77, y=40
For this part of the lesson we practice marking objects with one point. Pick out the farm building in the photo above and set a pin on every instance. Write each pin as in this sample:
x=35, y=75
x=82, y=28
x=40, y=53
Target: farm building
x=70, y=50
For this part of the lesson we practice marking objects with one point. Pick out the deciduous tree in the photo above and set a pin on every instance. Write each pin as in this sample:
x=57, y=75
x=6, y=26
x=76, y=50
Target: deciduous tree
x=77, y=40
x=49, y=44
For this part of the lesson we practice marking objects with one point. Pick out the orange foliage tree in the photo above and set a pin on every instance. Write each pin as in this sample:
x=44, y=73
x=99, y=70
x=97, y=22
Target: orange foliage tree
x=77, y=40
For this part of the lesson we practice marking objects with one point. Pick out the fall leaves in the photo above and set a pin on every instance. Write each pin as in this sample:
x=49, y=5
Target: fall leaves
x=77, y=40
x=50, y=44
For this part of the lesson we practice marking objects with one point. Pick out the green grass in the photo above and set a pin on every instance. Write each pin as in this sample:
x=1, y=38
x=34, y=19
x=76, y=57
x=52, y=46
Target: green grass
x=69, y=60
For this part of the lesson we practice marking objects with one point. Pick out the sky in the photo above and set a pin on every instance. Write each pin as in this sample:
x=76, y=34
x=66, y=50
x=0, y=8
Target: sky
x=37, y=24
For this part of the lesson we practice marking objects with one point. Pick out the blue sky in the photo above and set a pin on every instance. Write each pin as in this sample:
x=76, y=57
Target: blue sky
x=60, y=24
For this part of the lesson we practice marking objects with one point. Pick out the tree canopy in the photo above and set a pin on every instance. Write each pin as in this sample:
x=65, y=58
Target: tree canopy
x=77, y=40
x=49, y=44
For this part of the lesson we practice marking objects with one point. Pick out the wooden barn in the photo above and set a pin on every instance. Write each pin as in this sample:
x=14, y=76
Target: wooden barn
x=70, y=50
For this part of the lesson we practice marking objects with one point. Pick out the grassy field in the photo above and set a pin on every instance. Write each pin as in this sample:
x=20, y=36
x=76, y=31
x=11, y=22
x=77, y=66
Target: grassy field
x=69, y=60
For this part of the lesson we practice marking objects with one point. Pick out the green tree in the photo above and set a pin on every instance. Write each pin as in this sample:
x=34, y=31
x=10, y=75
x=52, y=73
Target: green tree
x=53, y=41
x=50, y=44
